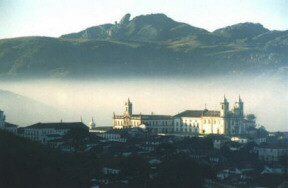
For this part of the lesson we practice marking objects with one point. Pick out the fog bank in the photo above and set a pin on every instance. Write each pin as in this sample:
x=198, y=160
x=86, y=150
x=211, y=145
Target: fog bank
x=266, y=97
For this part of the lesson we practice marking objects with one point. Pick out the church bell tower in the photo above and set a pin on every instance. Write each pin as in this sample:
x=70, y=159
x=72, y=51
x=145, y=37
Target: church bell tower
x=224, y=108
x=128, y=108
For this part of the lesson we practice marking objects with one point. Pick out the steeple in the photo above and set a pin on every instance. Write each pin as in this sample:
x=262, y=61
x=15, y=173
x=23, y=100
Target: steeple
x=225, y=100
x=128, y=108
x=224, y=107
x=92, y=124
x=240, y=100
x=241, y=106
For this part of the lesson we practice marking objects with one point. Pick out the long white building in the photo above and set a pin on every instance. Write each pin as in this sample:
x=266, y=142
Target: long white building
x=222, y=121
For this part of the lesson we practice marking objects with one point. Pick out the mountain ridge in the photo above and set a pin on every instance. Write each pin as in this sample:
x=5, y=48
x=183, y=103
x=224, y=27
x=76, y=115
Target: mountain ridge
x=147, y=46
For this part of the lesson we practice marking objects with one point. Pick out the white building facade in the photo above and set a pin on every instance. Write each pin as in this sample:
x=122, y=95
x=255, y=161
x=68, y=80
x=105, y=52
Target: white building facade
x=222, y=121
x=157, y=123
x=44, y=132
x=206, y=121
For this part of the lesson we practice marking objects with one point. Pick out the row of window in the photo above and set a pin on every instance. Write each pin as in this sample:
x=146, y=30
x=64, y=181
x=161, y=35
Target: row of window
x=193, y=130
x=135, y=123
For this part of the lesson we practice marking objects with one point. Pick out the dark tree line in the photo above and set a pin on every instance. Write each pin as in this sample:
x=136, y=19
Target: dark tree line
x=24, y=163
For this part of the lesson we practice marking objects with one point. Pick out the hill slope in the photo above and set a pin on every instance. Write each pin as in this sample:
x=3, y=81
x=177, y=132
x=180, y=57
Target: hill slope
x=150, y=45
x=25, y=111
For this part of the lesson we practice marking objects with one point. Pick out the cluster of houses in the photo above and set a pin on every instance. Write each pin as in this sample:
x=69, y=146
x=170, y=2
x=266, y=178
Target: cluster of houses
x=144, y=135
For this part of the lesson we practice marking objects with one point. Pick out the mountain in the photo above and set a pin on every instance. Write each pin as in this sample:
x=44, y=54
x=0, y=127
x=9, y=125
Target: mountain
x=154, y=27
x=147, y=46
x=241, y=31
x=22, y=111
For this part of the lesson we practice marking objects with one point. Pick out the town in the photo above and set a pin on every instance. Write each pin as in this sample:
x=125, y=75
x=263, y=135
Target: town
x=194, y=148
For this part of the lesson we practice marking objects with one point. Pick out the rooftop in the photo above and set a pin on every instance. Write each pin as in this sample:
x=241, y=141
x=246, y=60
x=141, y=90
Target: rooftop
x=10, y=125
x=59, y=125
x=198, y=113
x=148, y=117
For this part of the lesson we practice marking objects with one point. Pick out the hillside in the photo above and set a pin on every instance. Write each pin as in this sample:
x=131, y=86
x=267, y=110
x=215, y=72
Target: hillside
x=145, y=46
x=25, y=111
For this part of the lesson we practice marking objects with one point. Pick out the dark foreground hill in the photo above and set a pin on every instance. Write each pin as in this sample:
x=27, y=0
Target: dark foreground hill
x=25, y=163
x=150, y=45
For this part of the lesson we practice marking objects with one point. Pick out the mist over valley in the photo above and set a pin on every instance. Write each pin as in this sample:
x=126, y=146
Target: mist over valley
x=69, y=100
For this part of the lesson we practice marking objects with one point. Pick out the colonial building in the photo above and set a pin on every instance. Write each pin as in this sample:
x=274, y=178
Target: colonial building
x=44, y=132
x=207, y=121
x=271, y=153
x=157, y=123
x=223, y=121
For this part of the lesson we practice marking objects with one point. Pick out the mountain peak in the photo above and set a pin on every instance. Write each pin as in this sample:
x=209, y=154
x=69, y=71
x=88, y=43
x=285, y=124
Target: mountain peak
x=125, y=19
x=241, y=30
x=151, y=27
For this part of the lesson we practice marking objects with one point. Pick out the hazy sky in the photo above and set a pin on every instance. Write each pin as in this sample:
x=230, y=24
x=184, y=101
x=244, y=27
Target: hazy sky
x=57, y=17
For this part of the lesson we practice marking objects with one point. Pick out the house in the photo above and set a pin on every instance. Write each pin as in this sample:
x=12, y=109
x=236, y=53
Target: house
x=10, y=128
x=115, y=135
x=239, y=140
x=107, y=171
x=280, y=170
x=44, y=132
x=219, y=143
x=271, y=153
x=7, y=126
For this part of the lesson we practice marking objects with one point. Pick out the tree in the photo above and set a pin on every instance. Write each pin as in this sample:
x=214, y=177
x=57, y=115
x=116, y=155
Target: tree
x=76, y=137
x=251, y=117
x=135, y=168
x=262, y=131
x=181, y=172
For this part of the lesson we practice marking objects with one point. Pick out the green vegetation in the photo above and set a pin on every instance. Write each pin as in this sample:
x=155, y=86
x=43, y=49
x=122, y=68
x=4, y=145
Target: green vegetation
x=251, y=117
x=151, y=45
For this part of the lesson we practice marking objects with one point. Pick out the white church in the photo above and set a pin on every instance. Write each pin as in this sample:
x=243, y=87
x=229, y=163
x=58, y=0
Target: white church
x=222, y=121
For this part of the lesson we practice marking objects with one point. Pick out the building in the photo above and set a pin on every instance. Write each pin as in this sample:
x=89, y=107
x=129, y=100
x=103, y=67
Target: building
x=11, y=128
x=271, y=153
x=223, y=121
x=207, y=121
x=157, y=123
x=2, y=119
x=92, y=125
x=7, y=126
x=44, y=132
x=115, y=135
